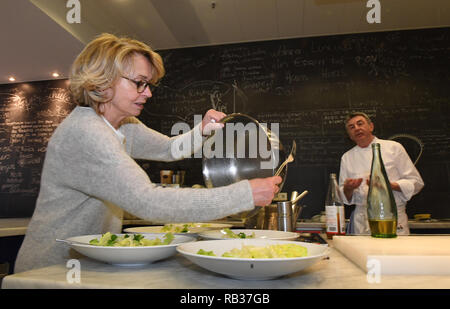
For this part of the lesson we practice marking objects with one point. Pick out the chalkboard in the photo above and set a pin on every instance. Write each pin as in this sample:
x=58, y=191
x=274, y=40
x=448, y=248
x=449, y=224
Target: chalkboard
x=307, y=85
x=29, y=113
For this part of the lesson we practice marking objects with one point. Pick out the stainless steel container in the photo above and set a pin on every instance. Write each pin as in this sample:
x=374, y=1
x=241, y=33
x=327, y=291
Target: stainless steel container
x=285, y=216
x=277, y=216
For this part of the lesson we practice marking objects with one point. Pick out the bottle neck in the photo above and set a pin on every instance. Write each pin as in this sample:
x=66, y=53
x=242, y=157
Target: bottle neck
x=376, y=157
x=333, y=195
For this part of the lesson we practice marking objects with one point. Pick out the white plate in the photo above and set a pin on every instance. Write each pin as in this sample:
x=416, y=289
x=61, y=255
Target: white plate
x=128, y=256
x=194, y=228
x=259, y=234
x=246, y=268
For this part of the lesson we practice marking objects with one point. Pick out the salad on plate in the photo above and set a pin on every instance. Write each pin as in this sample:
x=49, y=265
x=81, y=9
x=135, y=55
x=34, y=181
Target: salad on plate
x=133, y=240
x=267, y=252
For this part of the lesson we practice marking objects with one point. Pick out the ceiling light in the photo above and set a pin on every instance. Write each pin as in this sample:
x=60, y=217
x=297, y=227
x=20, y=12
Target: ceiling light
x=55, y=74
x=11, y=79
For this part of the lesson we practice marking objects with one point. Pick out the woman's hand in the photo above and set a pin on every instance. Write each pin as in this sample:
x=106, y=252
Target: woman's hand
x=210, y=121
x=264, y=189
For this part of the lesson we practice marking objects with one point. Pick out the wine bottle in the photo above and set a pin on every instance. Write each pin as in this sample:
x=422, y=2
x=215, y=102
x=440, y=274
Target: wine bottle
x=334, y=209
x=381, y=207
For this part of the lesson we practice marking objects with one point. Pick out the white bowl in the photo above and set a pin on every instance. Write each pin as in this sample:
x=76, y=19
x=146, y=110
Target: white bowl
x=247, y=268
x=192, y=230
x=128, y=256
x=259, y=234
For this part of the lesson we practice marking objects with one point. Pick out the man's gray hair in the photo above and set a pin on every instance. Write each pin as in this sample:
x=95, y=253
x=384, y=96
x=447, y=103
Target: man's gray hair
x=354, y=114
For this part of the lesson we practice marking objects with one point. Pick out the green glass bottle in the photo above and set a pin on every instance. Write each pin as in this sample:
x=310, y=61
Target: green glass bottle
x=381, y=207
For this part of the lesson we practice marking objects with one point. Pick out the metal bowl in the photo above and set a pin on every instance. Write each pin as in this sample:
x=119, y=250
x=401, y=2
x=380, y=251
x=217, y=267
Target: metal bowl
x=243, y=149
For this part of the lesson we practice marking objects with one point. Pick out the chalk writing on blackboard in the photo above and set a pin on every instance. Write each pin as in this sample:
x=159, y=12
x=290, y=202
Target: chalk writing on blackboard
x=195, y=98
x=29, y=114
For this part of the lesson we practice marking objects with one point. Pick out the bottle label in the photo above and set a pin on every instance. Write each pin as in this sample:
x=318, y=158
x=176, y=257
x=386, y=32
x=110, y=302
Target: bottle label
x=332, y=224
x=335, y=219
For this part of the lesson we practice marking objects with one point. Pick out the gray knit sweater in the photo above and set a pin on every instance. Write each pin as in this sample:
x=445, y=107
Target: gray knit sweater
x=89, y=178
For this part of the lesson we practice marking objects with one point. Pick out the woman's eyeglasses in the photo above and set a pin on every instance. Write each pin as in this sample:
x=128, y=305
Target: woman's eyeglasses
x=141, y=85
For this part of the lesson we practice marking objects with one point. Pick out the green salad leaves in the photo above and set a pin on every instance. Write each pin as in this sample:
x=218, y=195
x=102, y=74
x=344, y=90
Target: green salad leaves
x=230, y=234
x=133, y=240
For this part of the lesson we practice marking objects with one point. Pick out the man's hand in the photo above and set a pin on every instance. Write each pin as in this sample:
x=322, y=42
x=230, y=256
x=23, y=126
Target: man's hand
x=395, y=186
x=350, y=185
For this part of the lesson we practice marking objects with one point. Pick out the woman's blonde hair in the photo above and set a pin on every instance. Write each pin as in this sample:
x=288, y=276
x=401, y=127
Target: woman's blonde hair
x=102, y=62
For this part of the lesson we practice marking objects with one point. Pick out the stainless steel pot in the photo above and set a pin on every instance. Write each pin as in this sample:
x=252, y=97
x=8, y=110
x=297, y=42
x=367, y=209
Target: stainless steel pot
x=237, y=152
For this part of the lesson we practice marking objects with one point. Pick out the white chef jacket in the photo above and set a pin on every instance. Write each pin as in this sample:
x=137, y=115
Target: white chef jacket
x=356, y=163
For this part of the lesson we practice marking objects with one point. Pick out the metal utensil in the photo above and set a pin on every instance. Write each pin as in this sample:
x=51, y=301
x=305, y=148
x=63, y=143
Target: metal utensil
x=294, y=195
x=298, y=198
x=296, y=209
x=71, y=242
x=289, y=159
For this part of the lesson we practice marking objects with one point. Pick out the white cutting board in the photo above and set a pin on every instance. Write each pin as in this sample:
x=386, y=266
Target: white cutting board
x=404, y=255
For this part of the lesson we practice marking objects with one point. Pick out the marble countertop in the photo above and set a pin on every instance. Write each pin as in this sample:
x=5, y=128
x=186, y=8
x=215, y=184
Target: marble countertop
x=13, y=226
x=177, y=272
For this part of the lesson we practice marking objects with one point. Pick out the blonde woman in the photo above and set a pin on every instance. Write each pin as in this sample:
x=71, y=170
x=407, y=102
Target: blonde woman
x=89, y=176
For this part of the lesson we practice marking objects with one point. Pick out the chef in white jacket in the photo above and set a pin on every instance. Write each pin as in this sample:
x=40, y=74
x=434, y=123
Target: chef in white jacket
x=355, y=172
